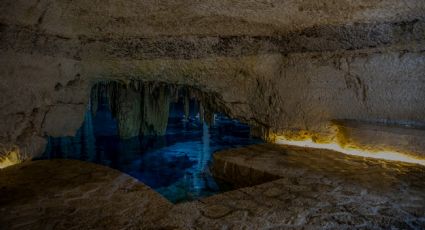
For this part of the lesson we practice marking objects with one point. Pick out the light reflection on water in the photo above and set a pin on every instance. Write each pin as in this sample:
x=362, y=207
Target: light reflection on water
x=176, y=165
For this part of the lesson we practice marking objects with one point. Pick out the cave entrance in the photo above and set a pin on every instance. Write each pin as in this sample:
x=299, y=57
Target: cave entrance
x=162, y=134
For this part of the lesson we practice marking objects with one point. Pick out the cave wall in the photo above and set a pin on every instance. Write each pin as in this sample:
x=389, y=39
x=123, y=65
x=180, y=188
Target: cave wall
x=276, y=65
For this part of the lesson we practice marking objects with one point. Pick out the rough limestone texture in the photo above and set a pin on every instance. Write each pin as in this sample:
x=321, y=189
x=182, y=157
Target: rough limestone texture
x=318, y=189
x=156, y=107
x=312, y=189
x=407, y=138
x=128, y=112
x=69, y=194
x=278, y=65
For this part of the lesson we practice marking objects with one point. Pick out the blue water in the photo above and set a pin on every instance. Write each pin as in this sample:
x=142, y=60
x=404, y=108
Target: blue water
x=175, y=165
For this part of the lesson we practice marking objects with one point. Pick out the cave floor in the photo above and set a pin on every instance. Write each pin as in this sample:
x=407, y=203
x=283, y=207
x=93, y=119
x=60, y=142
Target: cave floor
x=70, y=194
x=308, y=189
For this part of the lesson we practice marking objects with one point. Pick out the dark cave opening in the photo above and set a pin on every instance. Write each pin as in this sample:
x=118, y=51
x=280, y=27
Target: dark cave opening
x=163, y=135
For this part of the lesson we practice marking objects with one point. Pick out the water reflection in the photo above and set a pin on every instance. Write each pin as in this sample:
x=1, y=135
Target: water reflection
x=176, y=165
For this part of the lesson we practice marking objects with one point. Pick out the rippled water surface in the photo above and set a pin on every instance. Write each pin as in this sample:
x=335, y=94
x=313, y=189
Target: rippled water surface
x=176, y=165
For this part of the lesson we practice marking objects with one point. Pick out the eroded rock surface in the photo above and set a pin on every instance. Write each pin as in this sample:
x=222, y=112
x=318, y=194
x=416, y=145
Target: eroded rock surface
x=278, y=65
x=69, y=194
x=406, y=138
x=318, y=189
x=312, y=189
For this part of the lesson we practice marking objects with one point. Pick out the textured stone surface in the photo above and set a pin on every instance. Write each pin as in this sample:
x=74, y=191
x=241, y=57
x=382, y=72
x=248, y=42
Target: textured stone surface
x=408, y=138
x=315, y=189
x=318, y=189
x=278, y=65
x=227, y=17
x=315, y=39
x=68, y=194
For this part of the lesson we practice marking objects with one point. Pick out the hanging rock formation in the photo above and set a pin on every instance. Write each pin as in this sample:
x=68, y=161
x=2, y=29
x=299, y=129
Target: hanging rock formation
x=142, y=108
x=128, y=111
x=186, y=106
x=156, y=106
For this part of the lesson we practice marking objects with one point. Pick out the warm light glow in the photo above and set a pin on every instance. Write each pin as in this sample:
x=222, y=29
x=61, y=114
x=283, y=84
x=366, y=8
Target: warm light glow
x=10, y=156
x=386, y=155
x=9, y=160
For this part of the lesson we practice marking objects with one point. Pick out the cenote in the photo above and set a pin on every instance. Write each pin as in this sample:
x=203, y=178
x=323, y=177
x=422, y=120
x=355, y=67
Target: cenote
x=124, y=129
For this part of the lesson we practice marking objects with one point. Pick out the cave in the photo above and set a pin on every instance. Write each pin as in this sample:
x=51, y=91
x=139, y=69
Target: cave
x=255, y=114
x=161, y=134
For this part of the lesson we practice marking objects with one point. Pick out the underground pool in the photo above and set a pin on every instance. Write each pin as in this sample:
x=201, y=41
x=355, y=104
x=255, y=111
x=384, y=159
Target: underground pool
x=176, y=164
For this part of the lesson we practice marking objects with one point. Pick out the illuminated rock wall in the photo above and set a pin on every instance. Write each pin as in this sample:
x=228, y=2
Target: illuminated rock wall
x=277, y=65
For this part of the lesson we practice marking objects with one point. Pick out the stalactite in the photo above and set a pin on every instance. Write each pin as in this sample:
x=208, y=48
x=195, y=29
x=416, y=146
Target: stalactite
x=156, y=106
x=209, y=117
x=186, y=103
x=143, y=107
x=113, y=91
x=195, y=106
x=201, y=113
x=94, y=99
x=128, y=111
x=174, y=93
x=208, y=108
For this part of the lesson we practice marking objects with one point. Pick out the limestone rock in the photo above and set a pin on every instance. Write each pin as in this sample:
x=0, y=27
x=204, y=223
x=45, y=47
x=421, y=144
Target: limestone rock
x=277, y=65
x=63, y=120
